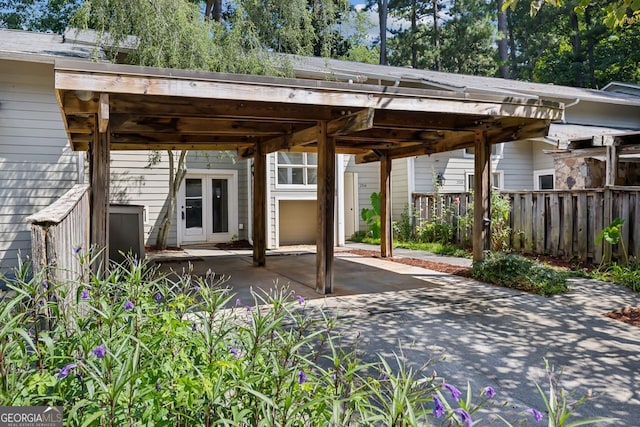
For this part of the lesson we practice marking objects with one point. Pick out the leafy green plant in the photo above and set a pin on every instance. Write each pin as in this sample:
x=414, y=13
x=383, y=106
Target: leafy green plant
x=611, y=234
x=517, y=272
x=403, y=229
x=627, y=274
x=560, y=404
x=500, y=228
x=371, y=216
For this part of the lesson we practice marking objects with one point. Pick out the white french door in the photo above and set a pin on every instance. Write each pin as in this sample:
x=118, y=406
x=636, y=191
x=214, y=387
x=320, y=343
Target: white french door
x=209, y=207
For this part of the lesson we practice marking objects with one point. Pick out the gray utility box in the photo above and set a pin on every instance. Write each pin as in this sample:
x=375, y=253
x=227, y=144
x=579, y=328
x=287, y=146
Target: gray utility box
x=126, y=232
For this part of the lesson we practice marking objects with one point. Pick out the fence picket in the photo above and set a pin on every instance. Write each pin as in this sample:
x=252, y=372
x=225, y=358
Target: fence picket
x=557, y=222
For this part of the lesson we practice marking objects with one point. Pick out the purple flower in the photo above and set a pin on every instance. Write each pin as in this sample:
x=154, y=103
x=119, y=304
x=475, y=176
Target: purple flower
x=196, y=288
x=489, y=392
x=248, y=308
x=45, y=285
x=238, y=302
x=64, y=372
x=194, y=327
x=158, y=297
x=128, y=305
x=302, y=377
x=455, y=393
x=438, y=407
x=465, y=417
x=536, y=414
x=300, y=299
x=234, y=351
x=77, y=249
x=158, y=385
x=84, y=294
x=100, y=351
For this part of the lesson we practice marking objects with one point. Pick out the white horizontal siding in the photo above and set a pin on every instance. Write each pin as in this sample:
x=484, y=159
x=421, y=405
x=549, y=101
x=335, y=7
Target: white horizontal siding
x=399, y=187
x=368, y=182
x=36, y=163
x=133, y=183
x=540, y=159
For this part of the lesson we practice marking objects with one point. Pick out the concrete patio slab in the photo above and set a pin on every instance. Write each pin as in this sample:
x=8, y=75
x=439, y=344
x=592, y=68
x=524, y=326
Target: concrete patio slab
x=467, y=330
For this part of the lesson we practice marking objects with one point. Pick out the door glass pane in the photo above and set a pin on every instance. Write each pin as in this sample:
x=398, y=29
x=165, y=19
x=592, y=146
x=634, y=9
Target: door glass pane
x=193, y=203
x=220, y=205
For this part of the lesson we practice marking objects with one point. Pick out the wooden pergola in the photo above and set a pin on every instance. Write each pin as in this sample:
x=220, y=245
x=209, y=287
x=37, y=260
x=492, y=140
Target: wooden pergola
x=117, y=107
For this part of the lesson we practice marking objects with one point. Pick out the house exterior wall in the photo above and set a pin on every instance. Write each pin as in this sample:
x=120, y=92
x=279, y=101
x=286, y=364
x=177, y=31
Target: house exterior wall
x=368, y=182
x=37, y=165
x=514, y=168
x=400, y=197
x=133, y=182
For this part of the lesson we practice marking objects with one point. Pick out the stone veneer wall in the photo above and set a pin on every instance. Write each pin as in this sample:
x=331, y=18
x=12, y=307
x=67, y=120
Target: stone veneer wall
x=579, y=173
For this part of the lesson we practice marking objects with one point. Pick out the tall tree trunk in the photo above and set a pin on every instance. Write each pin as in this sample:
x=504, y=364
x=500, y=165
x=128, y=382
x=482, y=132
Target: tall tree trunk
x=436, y=35
x=514, y=72
x=502, y=41
x=213, y=9
x=382, y=17
x=576, y=43
x=414, y=34
x=176, y=176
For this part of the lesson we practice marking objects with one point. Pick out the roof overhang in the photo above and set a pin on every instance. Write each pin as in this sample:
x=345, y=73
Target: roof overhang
x=151, y=108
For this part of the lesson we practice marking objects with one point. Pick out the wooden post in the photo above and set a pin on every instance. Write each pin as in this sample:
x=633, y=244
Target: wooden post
x=99, y=175
x=611, y=165
x=386, y=233
x=259, y=207
x=326, y=202
x=481, y=196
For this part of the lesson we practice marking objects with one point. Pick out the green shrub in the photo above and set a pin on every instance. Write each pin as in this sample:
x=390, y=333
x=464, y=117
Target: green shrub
x=517, y=272
x=626, y=274
x=500, y=228
x=403, y=229
x=371, y=216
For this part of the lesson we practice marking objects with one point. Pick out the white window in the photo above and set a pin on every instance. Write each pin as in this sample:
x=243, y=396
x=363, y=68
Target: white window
x=297, y=168
x=496, y=151
x=544, y=179
x=497, y=180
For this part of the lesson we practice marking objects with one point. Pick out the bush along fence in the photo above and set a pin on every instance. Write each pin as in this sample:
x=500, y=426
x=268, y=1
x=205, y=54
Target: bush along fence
x=563, y=224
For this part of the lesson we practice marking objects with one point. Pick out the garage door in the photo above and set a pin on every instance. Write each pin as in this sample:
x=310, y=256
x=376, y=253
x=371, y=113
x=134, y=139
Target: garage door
x=297, y=222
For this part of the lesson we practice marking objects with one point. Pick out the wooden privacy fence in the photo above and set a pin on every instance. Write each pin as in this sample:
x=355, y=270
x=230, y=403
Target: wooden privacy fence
x=558, y=223
x=56, y=231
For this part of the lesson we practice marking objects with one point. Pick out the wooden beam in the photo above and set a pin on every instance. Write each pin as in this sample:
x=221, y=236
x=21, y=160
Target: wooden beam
x=259, y=208
x=326, y=204
x=481, y=196
x=169, y=106
x=103, y=113
x=99, y=171
x=162, y=138
x=71, y=104
x=123, y=123
x=120, y=79
x=355, y=122
x=386, y=236
x=177, y=146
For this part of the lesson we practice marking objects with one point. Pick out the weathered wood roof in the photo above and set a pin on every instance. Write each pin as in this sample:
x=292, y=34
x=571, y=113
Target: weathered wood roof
x=151, y=108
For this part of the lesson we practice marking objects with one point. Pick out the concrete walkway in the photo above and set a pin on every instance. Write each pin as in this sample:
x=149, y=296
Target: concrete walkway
x=466, y=330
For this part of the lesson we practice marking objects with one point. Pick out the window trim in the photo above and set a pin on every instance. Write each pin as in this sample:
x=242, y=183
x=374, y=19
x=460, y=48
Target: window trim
x=499, y=152
x=542, y=172
x=499, y=174
x=304, y=166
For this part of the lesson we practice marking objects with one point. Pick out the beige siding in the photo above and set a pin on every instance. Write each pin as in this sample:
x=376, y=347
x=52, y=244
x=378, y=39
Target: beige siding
x=368, y=182
x=399, y=187
x=36, y=164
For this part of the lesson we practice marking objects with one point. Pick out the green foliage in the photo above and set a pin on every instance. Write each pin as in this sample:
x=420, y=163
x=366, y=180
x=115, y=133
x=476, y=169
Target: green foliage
x=517, y=272
x=561, y=405
x=139, y=348
x=611, y=235
x=627, y=274
x=37, y=15
x=500, y=228
x=371, y=216
x=403, y=229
